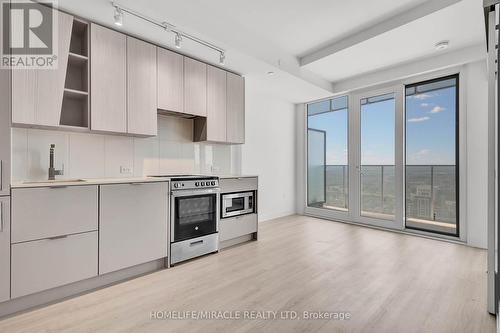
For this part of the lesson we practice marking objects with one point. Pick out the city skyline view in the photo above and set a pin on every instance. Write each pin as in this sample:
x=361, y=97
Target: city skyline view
x=430, y=182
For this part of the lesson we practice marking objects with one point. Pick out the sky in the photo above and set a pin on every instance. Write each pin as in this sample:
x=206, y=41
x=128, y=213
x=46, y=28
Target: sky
x=430, y=127
x=430, y=130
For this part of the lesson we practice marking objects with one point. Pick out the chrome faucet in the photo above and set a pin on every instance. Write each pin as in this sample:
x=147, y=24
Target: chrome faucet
x=52, y=171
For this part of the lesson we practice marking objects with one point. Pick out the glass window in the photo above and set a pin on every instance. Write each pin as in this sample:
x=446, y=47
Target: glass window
x=378, y=156
x=431, y=156
x=328, y=154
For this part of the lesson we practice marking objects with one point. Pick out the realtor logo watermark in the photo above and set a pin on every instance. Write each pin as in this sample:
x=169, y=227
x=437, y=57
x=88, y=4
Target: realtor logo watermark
x=29, y=34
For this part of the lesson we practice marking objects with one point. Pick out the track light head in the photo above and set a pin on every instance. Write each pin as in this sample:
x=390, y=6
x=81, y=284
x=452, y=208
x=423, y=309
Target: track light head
x=178, y=40
x=118, y=17
x=222, y=59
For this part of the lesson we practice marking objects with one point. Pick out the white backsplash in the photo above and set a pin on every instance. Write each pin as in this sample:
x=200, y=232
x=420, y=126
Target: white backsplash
x=87, y=155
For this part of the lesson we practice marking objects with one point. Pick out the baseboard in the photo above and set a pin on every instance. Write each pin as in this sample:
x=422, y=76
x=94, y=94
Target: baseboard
x=236, y=241
x=272, y=216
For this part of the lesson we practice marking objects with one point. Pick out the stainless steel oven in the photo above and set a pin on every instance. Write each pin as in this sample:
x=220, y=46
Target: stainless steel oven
x=234, y=204
x=194, y=219
x=194, y=214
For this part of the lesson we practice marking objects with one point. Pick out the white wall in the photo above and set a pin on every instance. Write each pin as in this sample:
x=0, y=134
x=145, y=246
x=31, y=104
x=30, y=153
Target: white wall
x=87, y=155
x=269, y=150
x=477, y=152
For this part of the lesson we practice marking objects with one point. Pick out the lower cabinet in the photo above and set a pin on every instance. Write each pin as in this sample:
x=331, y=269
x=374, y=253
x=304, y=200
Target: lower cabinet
x=53, y=262
x=4, y=248
x=238, y=226
x=133, y=224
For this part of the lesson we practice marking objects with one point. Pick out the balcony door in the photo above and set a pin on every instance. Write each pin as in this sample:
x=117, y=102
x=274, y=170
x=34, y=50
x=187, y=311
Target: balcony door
x=387, y=157
x=377, y=176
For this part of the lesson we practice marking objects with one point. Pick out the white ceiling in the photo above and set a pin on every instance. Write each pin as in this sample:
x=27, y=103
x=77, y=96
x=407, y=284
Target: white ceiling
x=263, y=35
x=461, y=24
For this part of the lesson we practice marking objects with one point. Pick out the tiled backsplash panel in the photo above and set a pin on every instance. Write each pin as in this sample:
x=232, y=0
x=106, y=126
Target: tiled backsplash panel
x=96, y=156
x=86, y=156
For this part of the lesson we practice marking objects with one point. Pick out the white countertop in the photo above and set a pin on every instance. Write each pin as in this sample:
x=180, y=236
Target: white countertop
x=104, y=181
x=83, y=182
x=236, y=176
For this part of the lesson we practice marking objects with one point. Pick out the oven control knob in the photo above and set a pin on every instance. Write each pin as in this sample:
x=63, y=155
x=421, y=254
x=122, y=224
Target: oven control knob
x=197, y=184
x=176, y=185
x=213, y=183
x=202, y=183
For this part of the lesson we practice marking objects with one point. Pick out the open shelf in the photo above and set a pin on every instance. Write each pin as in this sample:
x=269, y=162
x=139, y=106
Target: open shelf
x=75, y=106
x=77, y=59
x=75, y=111
x=79, y=38
x=73, y=93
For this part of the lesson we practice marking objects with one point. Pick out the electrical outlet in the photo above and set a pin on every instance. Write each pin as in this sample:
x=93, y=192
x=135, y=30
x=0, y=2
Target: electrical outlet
x=125, y=170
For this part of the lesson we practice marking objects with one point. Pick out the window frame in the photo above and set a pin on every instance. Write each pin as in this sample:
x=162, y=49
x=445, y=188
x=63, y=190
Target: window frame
x=455, y=76
x=402, y=80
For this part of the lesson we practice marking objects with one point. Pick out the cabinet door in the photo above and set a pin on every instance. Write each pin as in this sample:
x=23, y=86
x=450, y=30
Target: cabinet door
x=238, y=226
x=108, y=86
x=141, y=87
x=133, y=225
x=53, y=212
x=5, y=94
x=4, y=249
x=37, y=94
x=53, y=262
x=216, y=104
x=195, y=87
x=170, y=81
x=235, y=109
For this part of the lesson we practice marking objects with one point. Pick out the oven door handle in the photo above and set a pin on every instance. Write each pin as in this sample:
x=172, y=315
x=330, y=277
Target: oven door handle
x=186, y=193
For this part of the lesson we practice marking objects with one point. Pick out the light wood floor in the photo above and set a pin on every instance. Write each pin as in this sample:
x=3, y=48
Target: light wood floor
x=388, y=282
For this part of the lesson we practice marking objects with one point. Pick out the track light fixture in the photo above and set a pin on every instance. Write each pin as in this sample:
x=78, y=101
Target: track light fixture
x=179, y=35
x=178, y=40
x=118, y=17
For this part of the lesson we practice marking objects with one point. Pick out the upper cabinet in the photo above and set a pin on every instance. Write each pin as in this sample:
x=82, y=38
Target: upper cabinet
x=195, y=87
x=216, y=104
x=225, y=120
x=109, y=80
x=5, y=147
x=123, y=87
x=213, y=126
x=141, y=88
x=37, y=94
x=170, y=81
x=235, y=109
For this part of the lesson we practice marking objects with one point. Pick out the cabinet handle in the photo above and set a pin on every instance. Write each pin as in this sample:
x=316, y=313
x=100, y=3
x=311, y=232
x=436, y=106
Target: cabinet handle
x=1, y=216
x=57, y=187
x=57, y=237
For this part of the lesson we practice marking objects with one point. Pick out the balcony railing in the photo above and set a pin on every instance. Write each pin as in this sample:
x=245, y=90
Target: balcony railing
x=430, y=191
